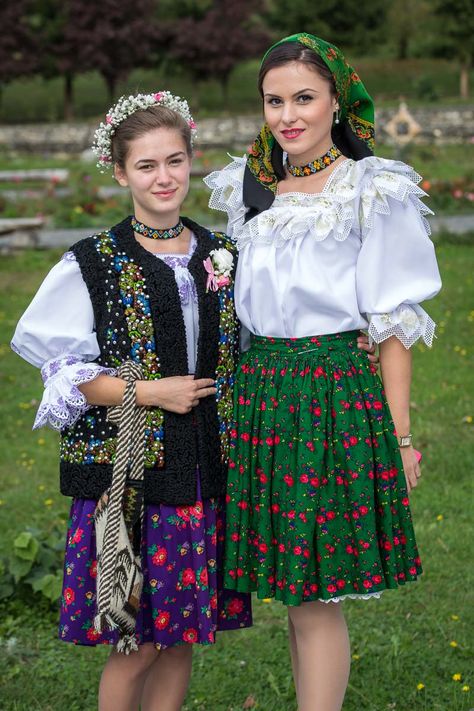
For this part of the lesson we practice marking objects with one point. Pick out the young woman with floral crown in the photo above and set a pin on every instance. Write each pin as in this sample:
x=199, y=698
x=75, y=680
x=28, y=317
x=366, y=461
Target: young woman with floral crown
x=331, y=240
x=136, y=336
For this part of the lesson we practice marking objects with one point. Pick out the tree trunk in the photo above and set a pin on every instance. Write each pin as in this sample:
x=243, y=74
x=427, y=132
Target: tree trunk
x=224, y=81
x=402, y=47
x=68, y=96
x=464, y=80
x=111, y=82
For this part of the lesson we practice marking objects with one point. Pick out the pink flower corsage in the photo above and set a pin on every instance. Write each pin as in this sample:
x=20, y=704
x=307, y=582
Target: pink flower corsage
x=219, y=268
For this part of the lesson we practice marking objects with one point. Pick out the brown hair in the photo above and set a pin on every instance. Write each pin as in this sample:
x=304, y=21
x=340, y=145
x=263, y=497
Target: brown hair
x=143, y=121
x=295, y=52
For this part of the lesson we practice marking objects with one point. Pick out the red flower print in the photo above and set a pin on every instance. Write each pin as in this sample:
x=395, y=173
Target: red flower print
x=190, y=635
x=353, y=441
x=331, y=588
x=214, y=602
x=297, y=550
x=330, y=515
x=189, y=576
x=363, y=510
x=245, y=436
x=92, y=634
x=235, y=606
x=341, y=584
x=288, y=479
x=377, y=579
x=197, y=510
x=367, y=584
x=162, y=620
x=160, y=557
x=281, y=548
x=69, y=596
x=93, y=569
x=377, y=405
x=319, y=372
x=262, y=547
x=183, y=512
x=203, y=577
x=77, y=537
x=405, y=501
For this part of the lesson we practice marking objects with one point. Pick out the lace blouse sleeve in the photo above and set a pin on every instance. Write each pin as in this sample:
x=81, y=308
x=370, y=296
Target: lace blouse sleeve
x=56, y=333
x=397, y=266
x=226, y=186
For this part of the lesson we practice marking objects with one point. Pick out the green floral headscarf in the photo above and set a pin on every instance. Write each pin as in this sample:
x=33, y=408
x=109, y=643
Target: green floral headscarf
x=354, y=135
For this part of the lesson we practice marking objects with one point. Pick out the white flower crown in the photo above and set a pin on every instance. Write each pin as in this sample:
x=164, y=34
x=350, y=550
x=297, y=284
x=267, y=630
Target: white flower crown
x=125, y=107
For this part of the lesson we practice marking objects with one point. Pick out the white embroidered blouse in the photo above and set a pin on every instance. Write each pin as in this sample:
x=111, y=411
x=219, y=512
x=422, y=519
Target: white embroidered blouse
x=355, y=256
x=57, y=334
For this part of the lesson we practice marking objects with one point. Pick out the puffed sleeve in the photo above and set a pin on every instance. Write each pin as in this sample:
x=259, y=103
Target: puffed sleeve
x=397, y=266
x=227, y=193
x=56, y=333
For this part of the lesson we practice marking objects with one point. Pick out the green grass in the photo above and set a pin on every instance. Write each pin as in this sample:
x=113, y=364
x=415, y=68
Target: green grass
x=33, y=100
x=397, y=642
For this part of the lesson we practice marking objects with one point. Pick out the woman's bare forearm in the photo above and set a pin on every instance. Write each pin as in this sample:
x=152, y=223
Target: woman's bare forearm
x=395, y=367
x=104, y=390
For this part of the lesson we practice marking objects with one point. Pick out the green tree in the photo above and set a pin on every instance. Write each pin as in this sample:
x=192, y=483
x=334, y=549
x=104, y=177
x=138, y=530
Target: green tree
x=454, y=38
x=343, y=22
x=406, y=21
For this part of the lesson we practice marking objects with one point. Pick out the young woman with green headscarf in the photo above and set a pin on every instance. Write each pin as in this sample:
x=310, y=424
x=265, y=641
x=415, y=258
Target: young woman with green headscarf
x=331, y=240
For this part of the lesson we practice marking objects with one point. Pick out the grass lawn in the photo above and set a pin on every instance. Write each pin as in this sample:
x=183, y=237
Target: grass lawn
x=418, y=635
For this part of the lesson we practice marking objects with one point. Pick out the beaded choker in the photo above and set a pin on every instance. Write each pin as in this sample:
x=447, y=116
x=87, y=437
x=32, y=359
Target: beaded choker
x=153, y=233
x=300, y=171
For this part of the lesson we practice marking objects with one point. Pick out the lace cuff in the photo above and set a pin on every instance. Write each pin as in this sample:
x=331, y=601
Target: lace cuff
x=63, y=403
x=408, y=323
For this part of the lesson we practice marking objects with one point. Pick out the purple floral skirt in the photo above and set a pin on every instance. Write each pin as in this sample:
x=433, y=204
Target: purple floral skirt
x=182, y=600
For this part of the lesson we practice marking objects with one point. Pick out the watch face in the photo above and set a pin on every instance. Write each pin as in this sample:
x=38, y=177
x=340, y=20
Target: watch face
x=405, y=441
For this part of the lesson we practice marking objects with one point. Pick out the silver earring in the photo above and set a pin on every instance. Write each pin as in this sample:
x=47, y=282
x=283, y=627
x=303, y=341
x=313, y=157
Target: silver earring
x=336, y=120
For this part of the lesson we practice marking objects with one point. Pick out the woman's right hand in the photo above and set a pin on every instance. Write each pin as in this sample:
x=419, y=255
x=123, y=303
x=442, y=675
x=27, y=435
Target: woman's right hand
x=178, y=393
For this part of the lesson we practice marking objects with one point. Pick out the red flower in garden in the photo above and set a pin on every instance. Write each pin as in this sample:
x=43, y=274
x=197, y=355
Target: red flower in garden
x=188, y=576
x=69, y=596
x=160, y=557
x=190, y=635
x=235, y=606
x=162, y=620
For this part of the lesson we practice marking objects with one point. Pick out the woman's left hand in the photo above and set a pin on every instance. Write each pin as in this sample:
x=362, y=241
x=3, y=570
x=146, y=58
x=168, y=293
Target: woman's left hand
x=410, y=466
x=363, y=344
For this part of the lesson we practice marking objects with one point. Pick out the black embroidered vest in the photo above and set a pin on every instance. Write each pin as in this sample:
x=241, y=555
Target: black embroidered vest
x=138, y=316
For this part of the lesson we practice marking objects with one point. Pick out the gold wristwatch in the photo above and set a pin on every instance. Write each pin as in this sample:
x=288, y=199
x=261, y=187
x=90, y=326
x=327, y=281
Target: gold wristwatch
x=404, y=440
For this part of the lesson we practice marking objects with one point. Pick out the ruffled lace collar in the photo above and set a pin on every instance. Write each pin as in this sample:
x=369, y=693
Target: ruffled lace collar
x=354, y=193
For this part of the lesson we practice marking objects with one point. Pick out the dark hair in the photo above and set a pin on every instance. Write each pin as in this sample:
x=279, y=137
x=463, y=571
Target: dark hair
x=295, y=52
x=143, y=121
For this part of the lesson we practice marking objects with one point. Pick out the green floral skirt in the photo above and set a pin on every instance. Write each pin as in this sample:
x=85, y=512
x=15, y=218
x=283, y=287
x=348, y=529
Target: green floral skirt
x=317, y=505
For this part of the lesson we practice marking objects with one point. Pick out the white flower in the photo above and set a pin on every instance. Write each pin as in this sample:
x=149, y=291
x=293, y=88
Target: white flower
x=222, y=260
